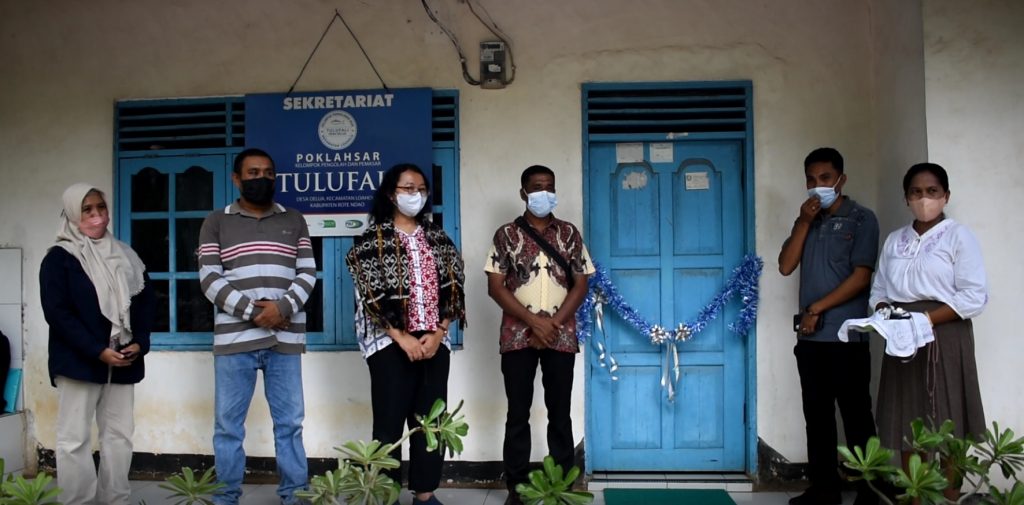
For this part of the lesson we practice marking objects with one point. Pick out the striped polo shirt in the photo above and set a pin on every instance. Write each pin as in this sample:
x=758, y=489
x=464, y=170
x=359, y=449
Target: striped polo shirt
x=244, y=258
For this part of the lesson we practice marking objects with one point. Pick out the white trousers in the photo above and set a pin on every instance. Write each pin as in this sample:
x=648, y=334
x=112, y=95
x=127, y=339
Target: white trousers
x=112, y=406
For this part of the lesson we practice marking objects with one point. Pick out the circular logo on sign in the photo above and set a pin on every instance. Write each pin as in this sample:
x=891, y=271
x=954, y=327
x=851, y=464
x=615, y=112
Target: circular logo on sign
x=337, y=129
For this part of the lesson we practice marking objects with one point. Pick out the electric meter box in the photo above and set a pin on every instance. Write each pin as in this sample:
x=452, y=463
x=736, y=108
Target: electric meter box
x=492, y=65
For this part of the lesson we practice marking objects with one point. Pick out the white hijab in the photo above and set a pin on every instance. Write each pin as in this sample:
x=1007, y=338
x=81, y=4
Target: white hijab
x=112, y=266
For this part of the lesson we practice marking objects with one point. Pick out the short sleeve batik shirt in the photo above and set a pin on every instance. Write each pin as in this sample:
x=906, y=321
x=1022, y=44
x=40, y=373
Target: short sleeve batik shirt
x=537, y=281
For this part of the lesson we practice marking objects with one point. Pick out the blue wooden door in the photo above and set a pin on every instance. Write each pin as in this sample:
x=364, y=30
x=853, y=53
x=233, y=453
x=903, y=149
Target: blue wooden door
x=666, y=222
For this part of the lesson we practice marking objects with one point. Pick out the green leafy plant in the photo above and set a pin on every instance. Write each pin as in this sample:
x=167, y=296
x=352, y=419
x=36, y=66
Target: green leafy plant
x=17, y=490
x=940, y=461
x=187, y=490
x=548, y=486
x=359, y=478
x=1015, y=496
x=871, y=461
x=327, y=487
x=21, y=491
x=444, y=429
x=922, y=480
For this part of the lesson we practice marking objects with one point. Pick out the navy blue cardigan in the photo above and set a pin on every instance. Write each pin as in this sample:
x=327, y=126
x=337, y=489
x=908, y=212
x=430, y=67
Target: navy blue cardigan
x=78, y=330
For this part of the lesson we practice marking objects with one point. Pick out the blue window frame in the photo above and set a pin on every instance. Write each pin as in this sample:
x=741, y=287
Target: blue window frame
x=174, y=161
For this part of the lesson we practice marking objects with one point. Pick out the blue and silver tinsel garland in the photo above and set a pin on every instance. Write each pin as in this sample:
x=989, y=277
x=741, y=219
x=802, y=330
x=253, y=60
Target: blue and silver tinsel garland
x=743, y=281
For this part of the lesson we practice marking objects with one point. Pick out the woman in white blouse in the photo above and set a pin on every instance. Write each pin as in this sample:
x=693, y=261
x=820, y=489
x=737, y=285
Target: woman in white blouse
x=934, y=266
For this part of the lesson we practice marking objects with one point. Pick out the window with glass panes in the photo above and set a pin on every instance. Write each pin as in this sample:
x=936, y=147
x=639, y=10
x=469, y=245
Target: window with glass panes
x=174, y=168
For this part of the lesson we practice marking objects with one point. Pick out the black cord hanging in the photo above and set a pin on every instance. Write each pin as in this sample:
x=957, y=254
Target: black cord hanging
x=491, y=26
x=337, y=16
x=455, y=42
x=498, y=32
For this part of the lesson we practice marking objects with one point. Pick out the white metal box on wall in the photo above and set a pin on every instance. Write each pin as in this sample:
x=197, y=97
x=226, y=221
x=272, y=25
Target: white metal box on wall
x=12, y=426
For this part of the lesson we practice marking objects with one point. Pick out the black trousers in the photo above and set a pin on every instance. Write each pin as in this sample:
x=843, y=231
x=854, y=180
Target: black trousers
x=519, y=369
x=400, y=389
x=831, y=373
x=5, y=367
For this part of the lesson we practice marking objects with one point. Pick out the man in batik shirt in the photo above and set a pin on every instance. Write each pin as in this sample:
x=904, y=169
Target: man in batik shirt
x=537, y=273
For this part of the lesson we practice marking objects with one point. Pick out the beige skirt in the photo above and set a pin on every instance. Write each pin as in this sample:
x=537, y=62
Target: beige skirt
x=940, y=382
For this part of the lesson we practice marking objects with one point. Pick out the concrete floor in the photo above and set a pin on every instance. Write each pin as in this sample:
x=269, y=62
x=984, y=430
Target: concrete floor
x=265, y=495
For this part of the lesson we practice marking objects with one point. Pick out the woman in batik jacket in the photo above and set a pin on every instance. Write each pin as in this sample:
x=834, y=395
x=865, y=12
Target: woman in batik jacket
x=409, y=280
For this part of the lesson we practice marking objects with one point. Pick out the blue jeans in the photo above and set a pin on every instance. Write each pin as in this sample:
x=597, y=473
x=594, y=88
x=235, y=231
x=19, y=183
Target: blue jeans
x=235, y=377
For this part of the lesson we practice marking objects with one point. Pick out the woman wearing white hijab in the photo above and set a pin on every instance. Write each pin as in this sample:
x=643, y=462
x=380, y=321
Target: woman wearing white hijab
x=99, y=307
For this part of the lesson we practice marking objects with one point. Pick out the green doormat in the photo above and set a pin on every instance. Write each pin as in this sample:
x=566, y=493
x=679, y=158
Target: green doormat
x=667, y=497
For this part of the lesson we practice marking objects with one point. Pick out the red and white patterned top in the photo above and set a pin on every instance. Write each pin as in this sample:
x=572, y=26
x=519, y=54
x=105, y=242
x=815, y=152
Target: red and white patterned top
x=422, y=310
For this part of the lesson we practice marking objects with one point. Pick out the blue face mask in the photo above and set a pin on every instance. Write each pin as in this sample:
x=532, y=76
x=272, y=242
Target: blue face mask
x=826, y=195
x=541, y=203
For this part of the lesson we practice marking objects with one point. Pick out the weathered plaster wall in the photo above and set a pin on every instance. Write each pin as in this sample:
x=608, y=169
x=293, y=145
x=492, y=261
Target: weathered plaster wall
x=900, y=133
x=66, y=63
x=974, y=67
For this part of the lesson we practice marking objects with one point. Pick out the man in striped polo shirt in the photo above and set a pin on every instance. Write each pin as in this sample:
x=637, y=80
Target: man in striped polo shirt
x=257, y=267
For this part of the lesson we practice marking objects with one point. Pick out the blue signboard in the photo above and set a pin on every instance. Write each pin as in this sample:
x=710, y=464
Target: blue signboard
x=331, y=148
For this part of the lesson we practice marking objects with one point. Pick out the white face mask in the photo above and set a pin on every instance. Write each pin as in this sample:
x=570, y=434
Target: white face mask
x=541, y=203
x=927, y=209
x=410, y=205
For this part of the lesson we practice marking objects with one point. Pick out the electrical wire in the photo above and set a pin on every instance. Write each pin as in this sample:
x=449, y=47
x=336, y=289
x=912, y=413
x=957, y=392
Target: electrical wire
x=455, y=42
x=498, y=32
x=501, y=33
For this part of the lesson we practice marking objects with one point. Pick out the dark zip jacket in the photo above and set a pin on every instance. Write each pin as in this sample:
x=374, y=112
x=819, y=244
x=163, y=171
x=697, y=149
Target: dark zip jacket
x=78, y=330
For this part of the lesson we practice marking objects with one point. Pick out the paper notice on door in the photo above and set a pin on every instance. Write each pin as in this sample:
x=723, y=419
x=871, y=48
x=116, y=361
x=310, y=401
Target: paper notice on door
x=629, y=152
x=697, y=181
x=661, y=152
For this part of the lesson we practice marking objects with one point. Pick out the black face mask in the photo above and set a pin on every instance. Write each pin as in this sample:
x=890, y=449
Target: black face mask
x=259, y=191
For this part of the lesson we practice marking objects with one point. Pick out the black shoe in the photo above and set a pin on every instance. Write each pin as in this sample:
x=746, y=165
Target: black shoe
x=513, y=498
x=817, y=496
x=429, y=501
x=866, y=497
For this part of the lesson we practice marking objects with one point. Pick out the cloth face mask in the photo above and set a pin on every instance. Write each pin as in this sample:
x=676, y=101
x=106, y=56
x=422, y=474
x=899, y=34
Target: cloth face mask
x=410, y=205
x=927, y=209
x=94, y=227
x=259, y=191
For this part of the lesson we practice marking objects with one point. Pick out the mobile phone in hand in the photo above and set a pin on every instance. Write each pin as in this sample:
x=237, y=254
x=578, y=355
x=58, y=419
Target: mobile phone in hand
x=127, y=354
x=798, y=318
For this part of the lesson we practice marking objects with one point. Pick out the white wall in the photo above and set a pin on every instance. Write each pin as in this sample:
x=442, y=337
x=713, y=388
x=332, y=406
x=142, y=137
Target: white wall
x=899, y=110
x=974, y=84
x=900, y=133
x=66, y=63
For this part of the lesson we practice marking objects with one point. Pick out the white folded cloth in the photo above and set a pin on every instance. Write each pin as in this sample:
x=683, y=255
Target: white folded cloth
x=903, y=337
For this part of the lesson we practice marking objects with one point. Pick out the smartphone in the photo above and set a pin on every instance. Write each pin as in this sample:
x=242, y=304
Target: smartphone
x=798, y=318
x=126, y=353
